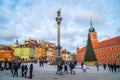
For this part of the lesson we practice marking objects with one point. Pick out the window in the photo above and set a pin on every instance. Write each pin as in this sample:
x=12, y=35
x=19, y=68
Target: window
x=99, y=56
x=102, y=55
x=108, y=55
x=112, y=54
x=112, y=48
x=105, y=55
x=118, y=55
x=117, y=47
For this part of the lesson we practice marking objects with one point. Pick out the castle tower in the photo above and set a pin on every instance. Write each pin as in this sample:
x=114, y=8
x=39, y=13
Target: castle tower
x=93, y=34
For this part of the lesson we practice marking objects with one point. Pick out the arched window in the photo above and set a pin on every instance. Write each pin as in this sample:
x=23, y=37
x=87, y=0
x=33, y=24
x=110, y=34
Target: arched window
x=118, y=55
x=112, y=54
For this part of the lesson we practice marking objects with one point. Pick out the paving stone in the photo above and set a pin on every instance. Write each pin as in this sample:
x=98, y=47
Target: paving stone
x=48, y=72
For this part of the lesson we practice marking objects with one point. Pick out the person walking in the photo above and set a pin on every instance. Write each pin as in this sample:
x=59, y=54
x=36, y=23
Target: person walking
x=22, y=70
x=42, y=62
x=97, y=65
x=60, y=69
x=7, y=66
x=31, y=70
x=104, y=66
x=109, y=67
x=114, y=67
x=2, y=66
x=84, y=67
x=73, y=68
x=12, y=68
x=70, y=68
x=118, y=67
x=5, y=62
x=65, y=68
x=75, y=63
x=25, y=71
x=15, y=70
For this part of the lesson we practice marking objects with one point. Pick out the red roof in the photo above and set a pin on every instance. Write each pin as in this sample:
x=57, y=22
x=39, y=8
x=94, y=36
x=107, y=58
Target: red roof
x=32, y=41
x=82, y=49
x=105, y=43
x=108, y=42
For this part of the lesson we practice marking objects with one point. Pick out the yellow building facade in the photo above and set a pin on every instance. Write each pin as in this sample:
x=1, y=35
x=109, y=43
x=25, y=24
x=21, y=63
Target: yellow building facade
x=41, y=50
x=25, y=53
x=41, y=53
x=66, y=55
x=46, y=51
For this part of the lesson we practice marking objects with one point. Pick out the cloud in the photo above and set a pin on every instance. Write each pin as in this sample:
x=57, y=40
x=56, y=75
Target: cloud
x=118, y=30
x=24, y=19
x=8, y=35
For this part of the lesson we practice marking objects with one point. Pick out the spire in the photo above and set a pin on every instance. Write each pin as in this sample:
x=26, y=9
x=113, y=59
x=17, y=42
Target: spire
x=91, y=29
x=77, y=47
x=90, y=22
x=16, y=42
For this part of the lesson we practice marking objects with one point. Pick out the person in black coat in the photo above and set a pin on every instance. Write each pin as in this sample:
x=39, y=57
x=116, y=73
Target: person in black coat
x=25, y=71
x=15, y=70
x=60, y=69
x=31, y=70
x=118, y=67
x=40, y=63
x=65, y=68
x=75, y=63
x=104, y=66
x=114, y=67
x=22, y=70
x=97, y=65
x=12, y=68
x=109, y=67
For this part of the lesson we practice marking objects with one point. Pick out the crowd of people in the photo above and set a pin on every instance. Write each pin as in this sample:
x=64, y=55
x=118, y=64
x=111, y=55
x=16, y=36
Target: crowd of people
x=65, y=67
x=15, y=67
x=70, y=67
x=114, y=67
x=111, y=67
x=18, y=68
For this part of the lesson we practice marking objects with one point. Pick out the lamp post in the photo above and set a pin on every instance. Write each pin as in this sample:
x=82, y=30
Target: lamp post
x=58, y=19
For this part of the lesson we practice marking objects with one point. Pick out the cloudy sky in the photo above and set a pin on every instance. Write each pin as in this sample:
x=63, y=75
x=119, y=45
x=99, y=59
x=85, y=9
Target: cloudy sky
x=24, y=19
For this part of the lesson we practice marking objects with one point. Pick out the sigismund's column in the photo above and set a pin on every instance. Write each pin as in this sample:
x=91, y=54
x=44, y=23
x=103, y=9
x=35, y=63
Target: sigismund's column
x=58, y=19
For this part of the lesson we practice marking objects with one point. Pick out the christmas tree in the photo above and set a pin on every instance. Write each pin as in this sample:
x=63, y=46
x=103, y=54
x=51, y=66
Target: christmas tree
x=89, y=54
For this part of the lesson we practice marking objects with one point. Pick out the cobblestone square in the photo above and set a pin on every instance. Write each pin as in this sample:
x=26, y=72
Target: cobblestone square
x=48, y=72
